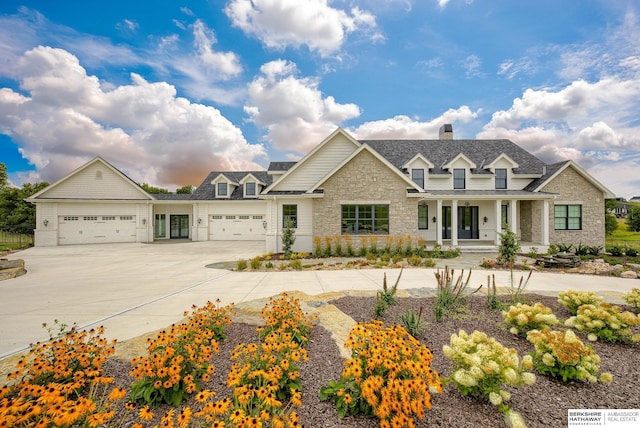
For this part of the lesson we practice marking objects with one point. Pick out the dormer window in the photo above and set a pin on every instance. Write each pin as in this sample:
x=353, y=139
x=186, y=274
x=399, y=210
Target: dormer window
x=250, y=188
x=222, y=189
x=417, y=175
x=501, y=178
x=459, y=181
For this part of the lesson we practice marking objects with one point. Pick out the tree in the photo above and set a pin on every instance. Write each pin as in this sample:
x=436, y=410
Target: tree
x=16, y=214
x=186, y=190
x=288, y=237
x=4, y=179
x=633, y=219
x=152, y=189
x=610, y=219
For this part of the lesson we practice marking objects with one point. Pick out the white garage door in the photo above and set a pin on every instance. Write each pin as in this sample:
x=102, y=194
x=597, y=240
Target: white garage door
x=96, y=229
x=236, y=227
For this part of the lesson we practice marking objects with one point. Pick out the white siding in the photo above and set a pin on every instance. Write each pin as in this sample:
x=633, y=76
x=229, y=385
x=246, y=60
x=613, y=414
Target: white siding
x=316, y=167
x=96, y=181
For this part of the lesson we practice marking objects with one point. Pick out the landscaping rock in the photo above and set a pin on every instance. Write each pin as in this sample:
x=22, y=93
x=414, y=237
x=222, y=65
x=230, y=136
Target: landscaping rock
x=629, y=274
x=11, y=268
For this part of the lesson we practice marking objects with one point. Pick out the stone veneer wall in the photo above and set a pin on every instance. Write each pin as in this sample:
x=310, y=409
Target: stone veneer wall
x=526, y=221
x=365, y=179
x=574, y=188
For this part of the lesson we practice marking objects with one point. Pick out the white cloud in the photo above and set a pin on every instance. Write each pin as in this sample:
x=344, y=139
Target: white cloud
x=293, y=110
x=224, y=64
x=144, y=128
x=404, y=127
x=472, y=64
x=312, y=23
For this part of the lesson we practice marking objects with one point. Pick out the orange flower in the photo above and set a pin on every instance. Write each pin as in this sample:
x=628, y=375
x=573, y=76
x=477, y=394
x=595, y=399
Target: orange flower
x=145, y=414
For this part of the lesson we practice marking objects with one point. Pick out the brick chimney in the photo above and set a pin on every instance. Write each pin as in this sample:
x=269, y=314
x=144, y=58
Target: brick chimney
x=446, y=132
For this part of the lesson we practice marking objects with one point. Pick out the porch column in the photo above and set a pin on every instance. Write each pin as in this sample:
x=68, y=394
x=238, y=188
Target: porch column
x=513, y=209
x=454, y=223
x=498, y=215
x=439, y=221
x=545, y=222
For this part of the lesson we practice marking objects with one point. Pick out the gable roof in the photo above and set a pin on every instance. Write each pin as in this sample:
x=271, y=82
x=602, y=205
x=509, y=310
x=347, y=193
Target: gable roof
x=555, y=169
x=135, y=189
x=367, y=148
x=440, y=152
x=206, y=190
x=280, y=166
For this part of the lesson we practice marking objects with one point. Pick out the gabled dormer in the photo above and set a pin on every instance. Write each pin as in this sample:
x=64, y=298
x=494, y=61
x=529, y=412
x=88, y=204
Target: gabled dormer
x=223, y=186
x=251, y=186
x=418, y=169
x=502, y=168
x=460, y=168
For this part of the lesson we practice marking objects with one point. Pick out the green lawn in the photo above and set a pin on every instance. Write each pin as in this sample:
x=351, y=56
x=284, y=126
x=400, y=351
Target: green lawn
x=622, y=236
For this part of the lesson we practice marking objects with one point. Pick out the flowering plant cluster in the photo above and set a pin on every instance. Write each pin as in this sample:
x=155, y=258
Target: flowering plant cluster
x=61, y=383
x=572, y=299
x=633, y=299
x=284, y=315
x=265, y=377
x=482, y=367
x=562, y=355
x=178, y=358
x=388, y=376
x=522, y=318
x=606, y=322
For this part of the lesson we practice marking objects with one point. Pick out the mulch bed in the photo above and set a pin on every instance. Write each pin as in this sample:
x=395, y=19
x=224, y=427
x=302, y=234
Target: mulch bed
x=545, y=404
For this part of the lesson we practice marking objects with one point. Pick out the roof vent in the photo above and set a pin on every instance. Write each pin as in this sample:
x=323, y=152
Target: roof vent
x=446, y=132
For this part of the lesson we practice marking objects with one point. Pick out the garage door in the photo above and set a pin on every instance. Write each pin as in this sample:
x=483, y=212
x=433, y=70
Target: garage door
x=96, y=229
x=237, y=227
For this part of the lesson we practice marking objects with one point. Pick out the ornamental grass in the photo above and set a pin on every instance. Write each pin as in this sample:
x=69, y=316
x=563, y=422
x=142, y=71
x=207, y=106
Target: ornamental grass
x=389, y=376
x=563, y=356
x=521, y=318
x=605, y=322
x=61, y=383
x=483, y=368
x=633, y=299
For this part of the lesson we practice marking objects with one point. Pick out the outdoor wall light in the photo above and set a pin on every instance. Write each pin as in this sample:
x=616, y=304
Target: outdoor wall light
x=45, y=222
x=144, y=221
x=485, y=219
x=433, y=219
x=264, y=224
x=199, y=221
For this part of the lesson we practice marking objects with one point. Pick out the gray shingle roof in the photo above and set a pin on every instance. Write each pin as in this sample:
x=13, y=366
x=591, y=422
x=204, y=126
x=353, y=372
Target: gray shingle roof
x=206, y=190
x=280, y=166
x=440, y=152
x=171, y=196
x=551, y=169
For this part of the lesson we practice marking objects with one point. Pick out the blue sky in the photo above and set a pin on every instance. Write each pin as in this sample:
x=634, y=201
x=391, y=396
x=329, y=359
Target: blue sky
x=168, y=91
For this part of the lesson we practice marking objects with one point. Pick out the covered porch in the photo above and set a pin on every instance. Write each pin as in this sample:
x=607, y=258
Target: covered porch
x=474, y=220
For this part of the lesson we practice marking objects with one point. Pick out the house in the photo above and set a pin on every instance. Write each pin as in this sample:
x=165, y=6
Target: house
x=460, y=193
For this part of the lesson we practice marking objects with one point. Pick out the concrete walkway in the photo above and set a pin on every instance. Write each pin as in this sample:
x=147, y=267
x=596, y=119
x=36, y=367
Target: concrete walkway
x=132, y=289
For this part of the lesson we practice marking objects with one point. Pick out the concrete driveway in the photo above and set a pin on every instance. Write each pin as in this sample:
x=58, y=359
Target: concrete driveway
x=133, y=289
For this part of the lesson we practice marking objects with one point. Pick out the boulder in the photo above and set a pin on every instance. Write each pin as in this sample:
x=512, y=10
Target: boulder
x=629, y=274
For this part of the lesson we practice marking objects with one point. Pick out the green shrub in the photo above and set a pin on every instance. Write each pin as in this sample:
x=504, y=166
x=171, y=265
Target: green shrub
x=616, y=251
x=633, y=299
x=631, y=252
x=385, y=257
x=522, y=318
x=397, y=258
x=256, y=263
x=288, y=237
x=564, y=248
x=563, y=356
x=605, y=322
x=414, y=260
x=483, y=368
x=572, y=299
x=582, y=250
x=450, y=296
x=595, y=250
x=428, y=262
x=241, y=265
x=371, y=257
x=295, y=264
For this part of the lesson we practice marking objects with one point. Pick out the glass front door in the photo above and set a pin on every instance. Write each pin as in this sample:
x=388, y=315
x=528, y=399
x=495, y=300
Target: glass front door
x=160, y=226
x=179, y=226
x=467, y=223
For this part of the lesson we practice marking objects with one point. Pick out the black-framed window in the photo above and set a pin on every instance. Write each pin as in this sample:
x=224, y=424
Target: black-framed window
x=365, y=219
x=423, y=217
x=290, y=212
x=501, y=178
x=568, y=217
x=222, y=189
x=417, y=175
x=250, y=189
x=504, y=215
x=459, y=181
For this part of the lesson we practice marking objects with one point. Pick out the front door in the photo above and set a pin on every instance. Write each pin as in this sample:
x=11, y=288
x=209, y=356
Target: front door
x=179, y=226
x=467, y=223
